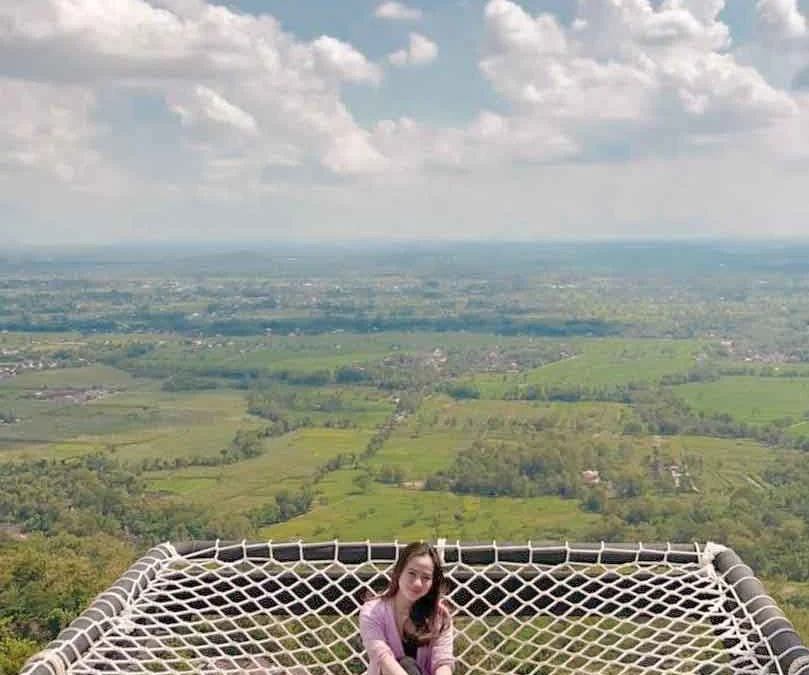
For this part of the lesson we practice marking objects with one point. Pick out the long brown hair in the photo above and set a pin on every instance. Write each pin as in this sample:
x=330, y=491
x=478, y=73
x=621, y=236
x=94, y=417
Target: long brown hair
x=427, y=614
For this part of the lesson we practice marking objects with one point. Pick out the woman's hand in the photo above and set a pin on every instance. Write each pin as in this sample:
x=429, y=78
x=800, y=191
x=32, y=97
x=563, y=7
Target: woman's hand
x=388, y=665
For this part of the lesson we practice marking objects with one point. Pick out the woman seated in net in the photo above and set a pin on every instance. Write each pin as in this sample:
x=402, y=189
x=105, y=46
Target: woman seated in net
x=408, y=629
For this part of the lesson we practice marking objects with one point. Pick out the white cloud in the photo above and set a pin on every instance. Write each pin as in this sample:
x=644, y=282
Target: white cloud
x=343, y=61
x=353, y=154
x=510, y=27
x=208, y=104
x=783, y=48
x=88, y=40
x=420, y=52
x=396, y=11
x=48, y=132
x=663, y=74
x=216, y=69
x=780, y=20
x=398, y=58
x=489, y=140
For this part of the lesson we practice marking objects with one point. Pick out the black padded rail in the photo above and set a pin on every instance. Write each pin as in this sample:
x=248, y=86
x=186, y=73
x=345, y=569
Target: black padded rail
x=785, y=643
x=467, y=554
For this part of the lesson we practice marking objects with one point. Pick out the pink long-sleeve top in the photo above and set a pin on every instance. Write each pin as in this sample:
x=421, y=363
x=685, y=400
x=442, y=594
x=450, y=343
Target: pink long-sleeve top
x=380, y=637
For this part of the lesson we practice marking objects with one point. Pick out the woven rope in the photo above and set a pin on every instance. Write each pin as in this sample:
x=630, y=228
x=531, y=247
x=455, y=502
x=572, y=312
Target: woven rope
x=210, y=613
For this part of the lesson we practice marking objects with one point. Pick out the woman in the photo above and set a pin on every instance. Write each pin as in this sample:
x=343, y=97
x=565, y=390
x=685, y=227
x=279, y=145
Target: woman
x=408, y=629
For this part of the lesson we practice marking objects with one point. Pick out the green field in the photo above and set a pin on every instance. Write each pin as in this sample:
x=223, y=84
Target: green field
x=388, y=513
x=727, y=462
x=750, y=399
x=602, y=363
x=287, y=462
x=53, y=378
x=362, y=405
x=141, y=423
x=267, y=359
x=420, y=454
x=603, y=417
x=276, y=354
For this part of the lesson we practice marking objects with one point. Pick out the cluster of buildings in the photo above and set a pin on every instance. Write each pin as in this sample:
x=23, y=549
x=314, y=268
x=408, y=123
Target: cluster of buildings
x=8, y=370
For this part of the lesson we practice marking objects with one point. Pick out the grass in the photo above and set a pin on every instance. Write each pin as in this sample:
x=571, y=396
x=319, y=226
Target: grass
x=429, y=440
x=305, y=354
x=60, y=423
x=727, y=462
x=170, y=442
x=182, y=485
x=750, y=399
x=364, y=406
x=598, y=416
x=398, y=341
x=602, y=363
x=287, y=462
x=272, y=355
x=53, y=378
x=139, y=424
x=421, y=454
x=162, y=441
x=793, y=598
x=44, y=420
x=46, y=342
x=385, y=513
x=226, y=401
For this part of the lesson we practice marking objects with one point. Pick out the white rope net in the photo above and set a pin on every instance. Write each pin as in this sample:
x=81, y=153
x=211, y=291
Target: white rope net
x=293, y=608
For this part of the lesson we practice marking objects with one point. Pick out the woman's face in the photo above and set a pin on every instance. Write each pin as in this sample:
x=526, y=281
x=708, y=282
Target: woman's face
x=417, y=577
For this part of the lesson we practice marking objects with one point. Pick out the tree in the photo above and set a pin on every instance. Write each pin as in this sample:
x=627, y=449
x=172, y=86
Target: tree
x=363, y=482
x=14, y=651
x=595, y=501
x=390, y=474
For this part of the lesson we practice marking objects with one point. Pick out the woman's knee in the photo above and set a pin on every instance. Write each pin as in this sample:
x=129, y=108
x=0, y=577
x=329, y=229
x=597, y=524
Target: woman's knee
x=410, y=666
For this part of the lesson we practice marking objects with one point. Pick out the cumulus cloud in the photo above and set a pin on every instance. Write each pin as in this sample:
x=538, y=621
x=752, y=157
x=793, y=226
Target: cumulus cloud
x=641, y=71
x=343, y=61
x=780, y=20
x=217, y=69
x=396, y=11
x=783, y=46
x=354, y=154
x=419, y=52
x=490, y=140
x=48, y=131
x=207, y=104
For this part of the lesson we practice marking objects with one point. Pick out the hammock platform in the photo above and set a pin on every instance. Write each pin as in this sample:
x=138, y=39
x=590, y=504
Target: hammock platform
x=530, y=609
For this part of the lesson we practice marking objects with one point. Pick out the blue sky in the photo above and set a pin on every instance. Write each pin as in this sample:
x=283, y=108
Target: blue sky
x=453, y=90
x=321, y=120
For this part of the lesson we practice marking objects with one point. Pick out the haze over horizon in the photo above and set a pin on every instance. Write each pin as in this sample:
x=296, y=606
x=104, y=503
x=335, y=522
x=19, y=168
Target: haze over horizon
x=184, y=120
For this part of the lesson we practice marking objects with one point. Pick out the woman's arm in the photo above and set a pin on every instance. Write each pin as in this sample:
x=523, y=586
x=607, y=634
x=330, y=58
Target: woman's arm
x=376, y=646
x=443, y=656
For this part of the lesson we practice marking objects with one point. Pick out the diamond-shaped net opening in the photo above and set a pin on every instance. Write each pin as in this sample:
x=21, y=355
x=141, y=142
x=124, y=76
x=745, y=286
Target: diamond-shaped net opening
x=293, y=608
